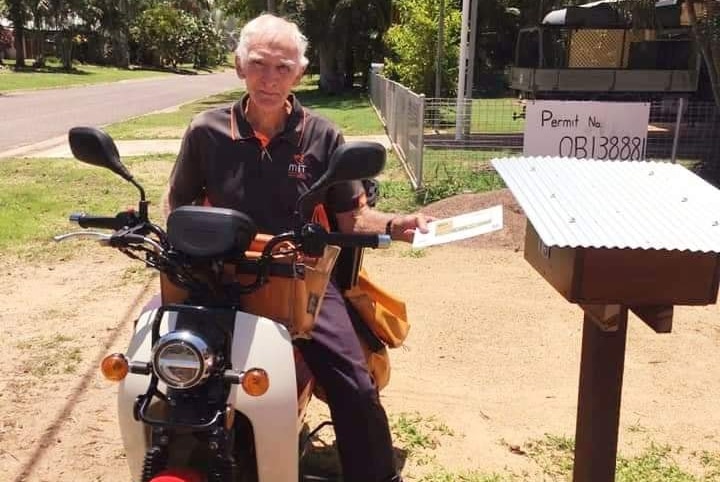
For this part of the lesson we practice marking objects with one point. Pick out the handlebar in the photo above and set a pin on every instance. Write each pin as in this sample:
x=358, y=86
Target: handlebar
x=313, y=238
x=380, y=241
x=119, y=221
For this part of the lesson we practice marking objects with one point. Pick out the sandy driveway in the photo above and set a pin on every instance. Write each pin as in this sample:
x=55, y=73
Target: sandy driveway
x=493, y=353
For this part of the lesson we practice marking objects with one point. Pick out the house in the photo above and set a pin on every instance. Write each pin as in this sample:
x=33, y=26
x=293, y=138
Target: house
x=39, y=39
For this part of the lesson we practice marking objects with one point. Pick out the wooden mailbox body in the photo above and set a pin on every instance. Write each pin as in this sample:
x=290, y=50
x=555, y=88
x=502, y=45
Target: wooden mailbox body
x=631, y=277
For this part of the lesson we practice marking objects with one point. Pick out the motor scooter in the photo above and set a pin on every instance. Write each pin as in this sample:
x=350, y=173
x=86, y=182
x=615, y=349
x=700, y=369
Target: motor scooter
x=210, y=386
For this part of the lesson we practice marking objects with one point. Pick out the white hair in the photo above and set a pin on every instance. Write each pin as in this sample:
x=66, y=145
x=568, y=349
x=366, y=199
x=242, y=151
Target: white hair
x=271, y=29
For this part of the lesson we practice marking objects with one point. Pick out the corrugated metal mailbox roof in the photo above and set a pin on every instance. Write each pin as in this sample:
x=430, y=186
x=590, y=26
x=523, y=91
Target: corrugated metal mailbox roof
x=612, y=204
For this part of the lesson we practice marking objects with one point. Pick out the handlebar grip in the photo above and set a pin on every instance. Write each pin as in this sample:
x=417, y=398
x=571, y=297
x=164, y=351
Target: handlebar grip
x=100, y=222
x=359, y=240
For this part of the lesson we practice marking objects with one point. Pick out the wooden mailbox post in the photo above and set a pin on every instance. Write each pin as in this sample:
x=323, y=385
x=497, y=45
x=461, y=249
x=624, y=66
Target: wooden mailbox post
x=615, y=237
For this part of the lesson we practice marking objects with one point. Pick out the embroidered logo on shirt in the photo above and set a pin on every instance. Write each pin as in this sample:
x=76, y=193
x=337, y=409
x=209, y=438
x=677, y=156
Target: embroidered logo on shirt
x=297, y=168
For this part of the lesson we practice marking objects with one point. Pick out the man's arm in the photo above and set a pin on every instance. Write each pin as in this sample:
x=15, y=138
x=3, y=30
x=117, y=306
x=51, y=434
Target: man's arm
x=186, y=183
x=366, y=220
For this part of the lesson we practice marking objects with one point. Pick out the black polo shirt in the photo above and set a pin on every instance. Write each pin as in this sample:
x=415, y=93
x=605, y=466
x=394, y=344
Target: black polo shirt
x=223, y=163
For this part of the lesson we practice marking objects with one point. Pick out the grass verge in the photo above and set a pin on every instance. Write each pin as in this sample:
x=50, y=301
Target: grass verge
x=351, y=111
x=54, y=76
x=37, y=196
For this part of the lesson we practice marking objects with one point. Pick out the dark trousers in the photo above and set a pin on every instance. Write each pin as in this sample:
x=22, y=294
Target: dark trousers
x=335, y=357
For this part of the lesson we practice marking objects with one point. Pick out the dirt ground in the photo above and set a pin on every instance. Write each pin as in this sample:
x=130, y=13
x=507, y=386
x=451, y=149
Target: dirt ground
x=493, y=353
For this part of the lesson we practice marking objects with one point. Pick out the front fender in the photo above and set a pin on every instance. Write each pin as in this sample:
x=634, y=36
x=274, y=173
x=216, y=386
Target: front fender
x=261, y=343
x=257, y=343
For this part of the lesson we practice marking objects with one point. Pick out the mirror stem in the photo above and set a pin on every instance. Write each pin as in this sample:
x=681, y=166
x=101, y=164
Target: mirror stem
x=143, y=202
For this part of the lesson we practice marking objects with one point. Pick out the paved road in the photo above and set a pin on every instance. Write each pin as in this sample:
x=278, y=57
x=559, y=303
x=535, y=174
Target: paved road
x=36, y=116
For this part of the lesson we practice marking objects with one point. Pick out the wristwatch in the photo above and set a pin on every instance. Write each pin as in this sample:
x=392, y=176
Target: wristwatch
x=388, y=227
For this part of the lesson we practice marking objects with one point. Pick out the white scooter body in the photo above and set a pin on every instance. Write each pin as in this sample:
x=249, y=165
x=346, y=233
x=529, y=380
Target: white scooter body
x=258, y=342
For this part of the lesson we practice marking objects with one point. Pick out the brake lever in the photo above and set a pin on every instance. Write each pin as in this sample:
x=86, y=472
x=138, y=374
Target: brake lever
x=102, y=237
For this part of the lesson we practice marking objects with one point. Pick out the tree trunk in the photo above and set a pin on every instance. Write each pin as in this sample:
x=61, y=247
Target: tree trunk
x=16, y=12
x=19, y=33
x=66, y=49
x=117, y=25
x=349, y=67
x=330, y=80
x=120, y=49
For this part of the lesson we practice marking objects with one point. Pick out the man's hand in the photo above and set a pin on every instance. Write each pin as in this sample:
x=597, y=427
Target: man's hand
x=402, y=227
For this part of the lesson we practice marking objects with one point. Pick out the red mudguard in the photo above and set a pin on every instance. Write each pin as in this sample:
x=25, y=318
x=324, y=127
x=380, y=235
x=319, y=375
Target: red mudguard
x=178, y=475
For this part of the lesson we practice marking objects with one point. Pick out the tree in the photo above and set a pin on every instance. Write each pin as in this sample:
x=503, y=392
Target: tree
x=345, y=35
x=63, y=16
x=412, y=44
x=166, y=32
x=167, y=35
x=17, y=13
x=243, y=10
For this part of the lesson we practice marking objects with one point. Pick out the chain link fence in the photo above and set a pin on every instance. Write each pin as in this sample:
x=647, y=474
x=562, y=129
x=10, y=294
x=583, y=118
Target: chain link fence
x=458, y=151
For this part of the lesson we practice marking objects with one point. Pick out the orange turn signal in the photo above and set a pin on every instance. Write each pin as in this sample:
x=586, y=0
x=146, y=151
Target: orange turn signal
x=114, y=367
x=255, y=382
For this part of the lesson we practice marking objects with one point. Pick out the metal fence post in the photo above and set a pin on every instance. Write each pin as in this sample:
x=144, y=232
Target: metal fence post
x=421, y=140
x=678, y=119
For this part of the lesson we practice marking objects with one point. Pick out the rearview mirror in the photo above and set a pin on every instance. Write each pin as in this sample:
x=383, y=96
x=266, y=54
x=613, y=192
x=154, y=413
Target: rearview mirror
x=95, y=147
x=351, y=161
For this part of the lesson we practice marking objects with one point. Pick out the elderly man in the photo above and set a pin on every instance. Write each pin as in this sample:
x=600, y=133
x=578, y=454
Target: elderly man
x=257, y=156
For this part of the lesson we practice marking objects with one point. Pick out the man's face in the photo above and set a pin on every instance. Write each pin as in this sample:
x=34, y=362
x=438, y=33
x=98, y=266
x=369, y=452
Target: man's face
x=270, y=73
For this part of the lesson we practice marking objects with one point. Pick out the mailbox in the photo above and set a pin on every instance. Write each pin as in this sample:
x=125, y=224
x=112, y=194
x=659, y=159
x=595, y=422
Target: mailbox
x=615, y=237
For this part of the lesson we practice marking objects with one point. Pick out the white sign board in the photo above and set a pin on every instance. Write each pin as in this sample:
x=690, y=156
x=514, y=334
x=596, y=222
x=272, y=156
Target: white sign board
x=586, y=130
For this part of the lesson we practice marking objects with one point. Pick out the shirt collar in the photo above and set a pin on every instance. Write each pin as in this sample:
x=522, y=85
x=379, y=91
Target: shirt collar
x=240, y=128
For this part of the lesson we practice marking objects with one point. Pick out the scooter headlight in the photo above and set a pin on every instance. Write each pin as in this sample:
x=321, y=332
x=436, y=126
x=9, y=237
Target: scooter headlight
x=182, y=359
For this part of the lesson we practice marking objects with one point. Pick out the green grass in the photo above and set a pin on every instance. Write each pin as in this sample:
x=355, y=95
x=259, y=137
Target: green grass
x=655, y=463
x=419, y=436
x=168, y=125
x=489, y=116
x=447, y=172
x=54, y=76
x=443, y=475
x=350, y=111
x=50, y=355
x=553, y=454
x=37, y=195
